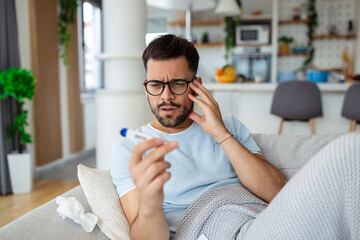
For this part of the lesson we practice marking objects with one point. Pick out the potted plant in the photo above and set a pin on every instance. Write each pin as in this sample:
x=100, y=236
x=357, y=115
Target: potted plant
x=284, y=45
x=66, y=17
x=205, y=37
x=19, y=84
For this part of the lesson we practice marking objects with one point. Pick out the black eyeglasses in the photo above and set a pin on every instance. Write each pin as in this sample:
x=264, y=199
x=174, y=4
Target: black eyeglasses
x=176, y=86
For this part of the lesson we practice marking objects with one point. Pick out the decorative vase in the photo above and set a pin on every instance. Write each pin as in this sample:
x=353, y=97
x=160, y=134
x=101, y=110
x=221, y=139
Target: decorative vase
x=21, y=172
x=205, y=38
x=284, y=49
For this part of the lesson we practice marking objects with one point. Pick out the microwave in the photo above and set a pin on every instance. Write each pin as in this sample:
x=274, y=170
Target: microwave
x=253, y=34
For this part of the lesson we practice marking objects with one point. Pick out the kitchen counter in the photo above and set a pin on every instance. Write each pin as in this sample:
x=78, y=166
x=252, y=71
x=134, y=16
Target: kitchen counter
x=269, y=87
x=251, y=104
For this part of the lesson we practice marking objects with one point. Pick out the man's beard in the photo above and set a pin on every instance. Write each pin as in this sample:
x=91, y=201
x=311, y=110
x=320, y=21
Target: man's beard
x=168, y=120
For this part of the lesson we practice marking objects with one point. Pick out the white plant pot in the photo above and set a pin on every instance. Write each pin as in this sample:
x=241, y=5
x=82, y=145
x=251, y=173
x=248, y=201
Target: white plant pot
x=21, y=172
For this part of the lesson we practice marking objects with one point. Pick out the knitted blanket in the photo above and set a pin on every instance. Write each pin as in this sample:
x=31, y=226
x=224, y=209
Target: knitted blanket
x=220, y=213
x=322, y=201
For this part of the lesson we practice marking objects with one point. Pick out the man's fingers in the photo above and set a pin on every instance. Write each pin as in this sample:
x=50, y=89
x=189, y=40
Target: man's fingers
x=195, y=117
x=141, y=148
x=158, y=183
x=153, y=171
x=156, y=155
x=160, y=152
x=202, y=92
x=198, y=101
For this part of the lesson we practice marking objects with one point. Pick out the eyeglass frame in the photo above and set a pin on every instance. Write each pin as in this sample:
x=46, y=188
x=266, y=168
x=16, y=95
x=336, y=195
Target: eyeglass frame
x=168, y=83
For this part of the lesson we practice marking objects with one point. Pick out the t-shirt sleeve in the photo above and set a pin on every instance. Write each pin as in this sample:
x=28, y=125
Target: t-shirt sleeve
x=120, y=173
x=242, y=134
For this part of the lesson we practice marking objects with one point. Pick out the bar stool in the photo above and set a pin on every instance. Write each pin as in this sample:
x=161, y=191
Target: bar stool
x=351, y=105
x=297, y=100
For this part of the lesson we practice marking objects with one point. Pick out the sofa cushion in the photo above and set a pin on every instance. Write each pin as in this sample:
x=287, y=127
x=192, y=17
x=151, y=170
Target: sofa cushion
x=289, y=153
x=45, y=223
x=104, y=202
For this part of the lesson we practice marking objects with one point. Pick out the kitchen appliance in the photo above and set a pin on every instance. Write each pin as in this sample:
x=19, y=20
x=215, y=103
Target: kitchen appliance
x=256, y=34
x=253, y=64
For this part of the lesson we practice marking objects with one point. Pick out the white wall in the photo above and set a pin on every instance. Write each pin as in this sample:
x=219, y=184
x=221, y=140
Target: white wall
x=89, y=121
x=89, y=117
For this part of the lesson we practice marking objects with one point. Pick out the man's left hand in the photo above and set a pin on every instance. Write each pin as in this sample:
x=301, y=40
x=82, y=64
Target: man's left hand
x=211, y=122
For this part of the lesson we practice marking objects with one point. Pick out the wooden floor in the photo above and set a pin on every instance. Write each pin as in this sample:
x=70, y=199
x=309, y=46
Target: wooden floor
x=15, y=205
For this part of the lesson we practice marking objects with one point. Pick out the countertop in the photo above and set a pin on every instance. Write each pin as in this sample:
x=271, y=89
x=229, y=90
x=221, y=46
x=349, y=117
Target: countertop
x=269, y=87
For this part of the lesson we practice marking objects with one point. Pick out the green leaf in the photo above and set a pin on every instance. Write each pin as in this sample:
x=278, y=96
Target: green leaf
x=20, y=85
x=312, y=26
x=66, y=17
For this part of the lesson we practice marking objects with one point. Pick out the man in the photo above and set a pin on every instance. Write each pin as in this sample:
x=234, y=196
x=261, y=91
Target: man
x=189, y=154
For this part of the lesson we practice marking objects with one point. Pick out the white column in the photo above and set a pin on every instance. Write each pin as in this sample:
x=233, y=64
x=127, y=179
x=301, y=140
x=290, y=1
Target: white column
x=64, y=110
x=122, y=103
x=274, y=40
x=357, y=31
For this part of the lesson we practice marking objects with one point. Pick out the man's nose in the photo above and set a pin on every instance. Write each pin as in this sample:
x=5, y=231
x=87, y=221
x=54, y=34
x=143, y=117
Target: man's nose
x=167, y=94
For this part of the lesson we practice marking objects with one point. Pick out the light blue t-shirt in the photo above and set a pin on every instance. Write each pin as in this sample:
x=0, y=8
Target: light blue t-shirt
x=197, y=165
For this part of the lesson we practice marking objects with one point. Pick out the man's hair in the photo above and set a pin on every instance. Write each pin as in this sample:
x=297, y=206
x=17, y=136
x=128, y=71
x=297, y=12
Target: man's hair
x=170, y=46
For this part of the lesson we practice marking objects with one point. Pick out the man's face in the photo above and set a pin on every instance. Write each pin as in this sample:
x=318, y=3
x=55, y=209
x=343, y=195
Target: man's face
x=169, y=109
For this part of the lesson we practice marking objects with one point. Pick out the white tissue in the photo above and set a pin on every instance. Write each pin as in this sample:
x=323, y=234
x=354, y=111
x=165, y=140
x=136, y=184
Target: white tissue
x=72, y=208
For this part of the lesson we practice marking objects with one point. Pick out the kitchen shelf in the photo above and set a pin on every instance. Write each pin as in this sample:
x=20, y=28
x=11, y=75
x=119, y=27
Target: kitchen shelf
x=253, y=45
x=344, y=36
x=211, y=44
x=181, y=23
x=331, y=69
x=294, y=54
x=197, y=23
x=261, y=17
x=293, y=21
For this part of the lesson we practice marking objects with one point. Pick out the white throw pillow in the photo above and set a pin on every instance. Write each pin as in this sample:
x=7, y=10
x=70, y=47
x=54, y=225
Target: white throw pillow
x=104, y=202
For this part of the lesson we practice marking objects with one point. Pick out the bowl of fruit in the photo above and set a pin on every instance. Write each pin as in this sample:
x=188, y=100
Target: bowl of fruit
x=227, y=74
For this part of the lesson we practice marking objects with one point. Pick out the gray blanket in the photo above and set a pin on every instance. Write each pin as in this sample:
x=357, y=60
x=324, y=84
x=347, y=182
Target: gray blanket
x=220, y=213
x=322, y=201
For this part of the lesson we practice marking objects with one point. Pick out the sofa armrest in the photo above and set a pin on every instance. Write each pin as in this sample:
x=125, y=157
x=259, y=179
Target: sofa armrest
x=45, y=223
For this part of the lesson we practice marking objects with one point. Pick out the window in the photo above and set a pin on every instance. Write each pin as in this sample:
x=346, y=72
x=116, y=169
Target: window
x=90, y=38
x=155, y=27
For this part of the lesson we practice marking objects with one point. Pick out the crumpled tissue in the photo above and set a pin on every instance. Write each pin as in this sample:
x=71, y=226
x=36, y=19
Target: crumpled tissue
x=72, y=208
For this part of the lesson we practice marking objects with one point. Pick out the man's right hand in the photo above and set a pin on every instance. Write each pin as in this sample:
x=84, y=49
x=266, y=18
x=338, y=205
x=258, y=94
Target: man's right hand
x=149, y=173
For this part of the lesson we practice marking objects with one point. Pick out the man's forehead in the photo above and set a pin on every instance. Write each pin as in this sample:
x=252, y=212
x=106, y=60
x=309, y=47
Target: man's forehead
x=170, y=67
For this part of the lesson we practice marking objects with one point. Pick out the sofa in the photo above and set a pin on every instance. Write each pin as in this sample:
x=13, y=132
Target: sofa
x=287, y=152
